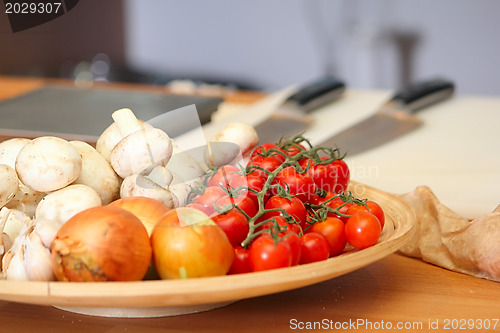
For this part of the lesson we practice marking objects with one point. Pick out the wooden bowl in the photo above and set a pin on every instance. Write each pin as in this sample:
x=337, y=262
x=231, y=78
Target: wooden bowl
x=174, y=297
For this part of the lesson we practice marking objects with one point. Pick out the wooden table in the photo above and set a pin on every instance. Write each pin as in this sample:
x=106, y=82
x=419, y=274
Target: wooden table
x=397, y=294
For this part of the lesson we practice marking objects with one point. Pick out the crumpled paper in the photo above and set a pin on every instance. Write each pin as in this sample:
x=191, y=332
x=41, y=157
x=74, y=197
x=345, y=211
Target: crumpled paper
x=444, y=238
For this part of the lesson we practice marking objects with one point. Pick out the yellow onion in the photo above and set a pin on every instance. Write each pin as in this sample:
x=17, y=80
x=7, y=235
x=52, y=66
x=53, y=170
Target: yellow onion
x=148, y=210
x=101, y=244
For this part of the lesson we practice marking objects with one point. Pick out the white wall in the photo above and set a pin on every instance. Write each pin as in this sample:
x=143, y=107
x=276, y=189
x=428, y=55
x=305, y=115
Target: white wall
x=272, y=44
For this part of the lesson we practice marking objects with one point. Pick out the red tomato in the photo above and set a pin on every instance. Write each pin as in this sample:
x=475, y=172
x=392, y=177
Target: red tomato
x=265, y=254
x=318, y=199
x=293, y=150
x=282, y=223
x=263, y=148
x=268, y=163
x=241, y=262
x=313, y=247
x=343, y=175
x=337, y=202
x=245, y=203
x=256, y=182
x=293, y=206
x=362, y=230
x=234, y=224
x=223, y=175
x=373, y=208
x=333, y=229
x=209, y=197
x=300, y=184
x=324, y=175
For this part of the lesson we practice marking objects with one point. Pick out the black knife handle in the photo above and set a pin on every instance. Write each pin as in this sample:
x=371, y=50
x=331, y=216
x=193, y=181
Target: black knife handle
x=418, y=95
x=317, y=93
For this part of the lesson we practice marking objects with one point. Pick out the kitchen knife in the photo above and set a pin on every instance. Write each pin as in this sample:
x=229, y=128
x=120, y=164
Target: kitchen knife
x=395, y=118
x=292, y=116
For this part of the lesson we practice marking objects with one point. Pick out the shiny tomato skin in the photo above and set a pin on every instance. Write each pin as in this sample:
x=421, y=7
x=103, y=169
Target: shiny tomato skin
x=266, y=255
x=234, y=224
x=265, y=147
x=293, y=239
x=333, y=229
x=293, y=206
x=362, y=230
x=324, y=175
x=319, y=199
x=256, y=182
x=313, y=248
x=282, y=223
x=223, y=175
x=268, y=163
x=337, y=202
x=245, y=203
x=300, y=184
x=209, y=197
x=241, y=262
x=343, y=175
x=373, y=208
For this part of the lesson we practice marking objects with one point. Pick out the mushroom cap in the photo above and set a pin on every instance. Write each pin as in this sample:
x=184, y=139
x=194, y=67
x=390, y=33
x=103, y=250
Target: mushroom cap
x=110, y=137
x=141, y=150
x=8, y=184
x=61, y=205
x=97, y=173
x=9, y=149
x=137, y=185
x=48, y=163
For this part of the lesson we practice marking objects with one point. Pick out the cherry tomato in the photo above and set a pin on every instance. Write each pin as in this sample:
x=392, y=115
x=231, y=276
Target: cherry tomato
x=333, y=229
x=343, y=175
x=373, y=208
x=313, y=247
x=293, y=150
x=293, y=206
x=318, y=199
x=245, y=203
x=293, y=239
x=336, y=203
x=362, y=230
x=265, y=254
x=282, y=223
x=209, y=197
x=300, y=184
x=324, y=175
x=265, y=147
x=268, y=163
x=256, y=182
x=234, y=224
x=223, y=175
x=241, y=262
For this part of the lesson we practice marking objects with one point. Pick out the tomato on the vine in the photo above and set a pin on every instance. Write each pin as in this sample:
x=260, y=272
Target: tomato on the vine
x=282, y=223
x=265, y=253
x=243, y=202
x=343, y=175
x=256, y=182
x=241, y=261
x=265, y=147
x=333, y=229
x=372, y=207
x=324, y=175
x=292, y=206
x=223, y=175
x=292, y=150
x=300, y=184
x=313, y=247
x=269, y=163
x=362, y=230
x=209, y=197
x=338, y=203
x=234, y=224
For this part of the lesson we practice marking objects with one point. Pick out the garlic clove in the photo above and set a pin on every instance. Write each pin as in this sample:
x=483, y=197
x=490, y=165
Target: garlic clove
x=37, y=259
x=47, y=230
x=15, y=269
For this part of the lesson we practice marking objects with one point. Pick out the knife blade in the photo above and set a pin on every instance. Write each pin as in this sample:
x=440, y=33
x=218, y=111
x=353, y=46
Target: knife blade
x=393, y=119
x=292, y=116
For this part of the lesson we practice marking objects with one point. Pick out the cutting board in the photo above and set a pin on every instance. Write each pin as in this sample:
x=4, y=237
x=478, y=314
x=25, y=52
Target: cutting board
x=456, y=152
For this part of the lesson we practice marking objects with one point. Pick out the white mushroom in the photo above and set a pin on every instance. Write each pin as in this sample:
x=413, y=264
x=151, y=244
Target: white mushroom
x=141, y=147
x=8, y=184
x=61, y=205
x=154, y=185
x=48, y=163
x=110, y=137
x=9, y=149
x=25, y=200
x=97, y=173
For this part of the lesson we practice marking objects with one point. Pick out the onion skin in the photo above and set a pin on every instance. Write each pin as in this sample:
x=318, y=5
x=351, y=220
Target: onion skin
x=148, y=210
x=101, y=244
x=198, y=248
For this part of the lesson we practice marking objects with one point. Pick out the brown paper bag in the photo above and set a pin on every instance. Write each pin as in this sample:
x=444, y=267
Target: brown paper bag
x=446, y=239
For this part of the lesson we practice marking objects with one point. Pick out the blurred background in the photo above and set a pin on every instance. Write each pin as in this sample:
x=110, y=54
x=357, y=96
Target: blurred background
x=264, y=45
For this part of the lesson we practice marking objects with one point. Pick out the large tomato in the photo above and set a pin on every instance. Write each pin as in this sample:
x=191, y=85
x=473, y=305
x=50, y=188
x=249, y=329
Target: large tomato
x=293, y=206
x=234, y=224
x=267, y=254
x=362, y=230
x=187, y=243
x=300, y=184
